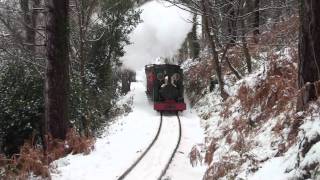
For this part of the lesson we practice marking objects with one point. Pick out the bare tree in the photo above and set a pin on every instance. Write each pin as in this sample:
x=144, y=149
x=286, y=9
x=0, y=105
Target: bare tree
x=212, y=44
x=57, y=68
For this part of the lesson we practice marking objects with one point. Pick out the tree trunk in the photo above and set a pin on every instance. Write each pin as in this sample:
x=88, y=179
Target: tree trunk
x=246, y=54
x=57, y=68
x=203, y=33
x=81, y=19
x=193, y=40
x=256, y=21
x=234, y=71
x=232, y=23
x=34, y=17
x=309, y=52
x=213, y=23
x=212, y=45
x=126, y=82
x=245, y=44
x=29, y=25
x=82, y=58
x=224, y=56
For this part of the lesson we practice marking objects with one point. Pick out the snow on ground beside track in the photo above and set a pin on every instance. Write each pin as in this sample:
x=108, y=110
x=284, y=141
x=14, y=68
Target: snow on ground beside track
x=192, y=134
x=120, y=146
x=128, y=137
x=263, y=151
x=273, y=169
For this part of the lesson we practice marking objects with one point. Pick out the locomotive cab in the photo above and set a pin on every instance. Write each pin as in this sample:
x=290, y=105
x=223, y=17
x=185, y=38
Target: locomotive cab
x=165, y=87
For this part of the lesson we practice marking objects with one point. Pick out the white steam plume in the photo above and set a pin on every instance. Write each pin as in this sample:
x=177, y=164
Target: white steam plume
x=163, y=30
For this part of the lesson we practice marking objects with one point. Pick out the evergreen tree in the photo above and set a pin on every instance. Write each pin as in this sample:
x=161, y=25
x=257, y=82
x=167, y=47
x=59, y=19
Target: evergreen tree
x=108, y=38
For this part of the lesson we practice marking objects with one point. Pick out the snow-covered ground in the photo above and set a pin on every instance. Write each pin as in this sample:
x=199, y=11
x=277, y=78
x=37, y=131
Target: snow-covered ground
x=128, y=137
x=192, y=134
x=279, y=146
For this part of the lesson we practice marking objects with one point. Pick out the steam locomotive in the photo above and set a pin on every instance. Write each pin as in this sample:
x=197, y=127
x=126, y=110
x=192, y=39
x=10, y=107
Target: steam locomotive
x=165, y=87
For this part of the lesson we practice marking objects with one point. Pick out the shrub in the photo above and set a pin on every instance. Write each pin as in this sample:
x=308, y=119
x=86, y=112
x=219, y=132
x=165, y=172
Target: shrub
x=21, y=105
x=34, y=161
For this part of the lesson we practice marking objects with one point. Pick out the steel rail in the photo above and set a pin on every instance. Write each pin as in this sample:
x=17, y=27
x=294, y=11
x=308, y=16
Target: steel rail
x=143, y=154
x=164, y=171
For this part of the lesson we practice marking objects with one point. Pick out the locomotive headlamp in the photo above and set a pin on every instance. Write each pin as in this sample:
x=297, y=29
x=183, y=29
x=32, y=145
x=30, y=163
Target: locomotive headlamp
x=160, y=76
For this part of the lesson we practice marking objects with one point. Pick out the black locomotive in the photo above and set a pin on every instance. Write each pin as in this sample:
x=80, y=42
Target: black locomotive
x=165, y=86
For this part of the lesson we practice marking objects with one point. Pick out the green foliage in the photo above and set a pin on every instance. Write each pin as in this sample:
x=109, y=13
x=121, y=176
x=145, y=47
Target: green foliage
x=91, y=97
x=92, y=102
x=21, y=105
x=118, y=19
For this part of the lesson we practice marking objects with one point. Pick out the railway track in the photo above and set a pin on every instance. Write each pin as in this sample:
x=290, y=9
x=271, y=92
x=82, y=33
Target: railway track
x=156, y=144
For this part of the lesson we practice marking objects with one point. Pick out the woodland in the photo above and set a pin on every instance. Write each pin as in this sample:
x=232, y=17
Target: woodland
x=61, y=76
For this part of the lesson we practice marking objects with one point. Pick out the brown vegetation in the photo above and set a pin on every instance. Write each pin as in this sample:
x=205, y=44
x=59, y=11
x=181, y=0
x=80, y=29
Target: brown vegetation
x=275, y=92
x=273, y=99
x=198, y=78
x=209, y=153
x=221, y=168
x=195, y=156
x=34, y=160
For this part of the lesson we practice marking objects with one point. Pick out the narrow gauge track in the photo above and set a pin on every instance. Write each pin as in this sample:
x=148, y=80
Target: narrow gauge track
x=173, y=151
